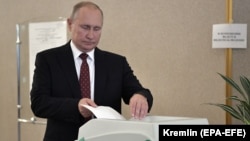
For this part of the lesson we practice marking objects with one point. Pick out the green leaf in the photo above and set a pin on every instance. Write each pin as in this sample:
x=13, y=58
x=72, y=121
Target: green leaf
x=246, y=85
x=228, y=109
x=232, y=83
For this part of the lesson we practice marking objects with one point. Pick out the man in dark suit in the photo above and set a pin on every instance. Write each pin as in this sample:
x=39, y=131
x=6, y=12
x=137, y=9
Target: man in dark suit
x=56, y=93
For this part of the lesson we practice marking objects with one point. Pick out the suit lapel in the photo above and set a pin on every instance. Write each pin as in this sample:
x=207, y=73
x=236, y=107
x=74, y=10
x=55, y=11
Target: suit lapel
x=100, y=75
x=67, y=63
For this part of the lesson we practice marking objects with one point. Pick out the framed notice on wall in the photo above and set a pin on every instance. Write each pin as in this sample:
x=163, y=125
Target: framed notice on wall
x=45, y=35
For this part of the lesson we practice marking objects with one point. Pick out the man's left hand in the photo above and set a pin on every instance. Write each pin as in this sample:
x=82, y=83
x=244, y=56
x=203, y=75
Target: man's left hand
x=138, y=106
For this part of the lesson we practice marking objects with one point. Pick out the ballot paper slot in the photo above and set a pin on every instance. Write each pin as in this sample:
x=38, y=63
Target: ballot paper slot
x=163, y=119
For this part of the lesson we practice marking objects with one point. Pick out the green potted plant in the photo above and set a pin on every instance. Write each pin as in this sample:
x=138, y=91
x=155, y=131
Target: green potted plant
x=241, y=109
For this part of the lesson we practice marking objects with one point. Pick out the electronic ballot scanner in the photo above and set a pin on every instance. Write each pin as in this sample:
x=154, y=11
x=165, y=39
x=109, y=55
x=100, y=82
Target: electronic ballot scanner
x=131, y=130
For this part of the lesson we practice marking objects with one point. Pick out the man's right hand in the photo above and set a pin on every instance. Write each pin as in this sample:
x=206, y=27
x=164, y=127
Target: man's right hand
x=84, y=111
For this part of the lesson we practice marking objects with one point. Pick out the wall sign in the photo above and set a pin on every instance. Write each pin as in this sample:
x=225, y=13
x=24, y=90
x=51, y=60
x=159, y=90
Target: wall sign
x=229, y=36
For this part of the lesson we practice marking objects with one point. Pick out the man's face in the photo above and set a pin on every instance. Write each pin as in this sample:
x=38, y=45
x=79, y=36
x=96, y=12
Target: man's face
x=86, y=28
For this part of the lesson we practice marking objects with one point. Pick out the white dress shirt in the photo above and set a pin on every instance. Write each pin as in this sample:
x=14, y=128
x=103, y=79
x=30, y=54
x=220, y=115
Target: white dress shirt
x=91, y=63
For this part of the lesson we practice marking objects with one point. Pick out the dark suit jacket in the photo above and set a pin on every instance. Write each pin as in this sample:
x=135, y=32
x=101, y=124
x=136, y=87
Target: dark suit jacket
x=56, y=92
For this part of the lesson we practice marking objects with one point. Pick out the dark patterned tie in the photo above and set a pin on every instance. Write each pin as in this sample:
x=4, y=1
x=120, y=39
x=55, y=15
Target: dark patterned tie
x=84, y=77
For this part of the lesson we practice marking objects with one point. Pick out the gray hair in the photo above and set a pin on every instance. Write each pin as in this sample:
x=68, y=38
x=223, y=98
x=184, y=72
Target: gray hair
x=84, y=4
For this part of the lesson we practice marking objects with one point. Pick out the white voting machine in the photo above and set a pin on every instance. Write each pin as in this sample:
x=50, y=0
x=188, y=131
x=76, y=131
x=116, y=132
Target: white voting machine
x=131, y=130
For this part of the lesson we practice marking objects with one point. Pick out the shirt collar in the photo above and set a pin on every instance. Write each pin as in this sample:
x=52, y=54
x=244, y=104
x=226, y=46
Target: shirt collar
x=77, y=52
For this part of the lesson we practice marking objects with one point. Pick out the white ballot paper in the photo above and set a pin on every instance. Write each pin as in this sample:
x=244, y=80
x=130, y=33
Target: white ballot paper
x=104, y=112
